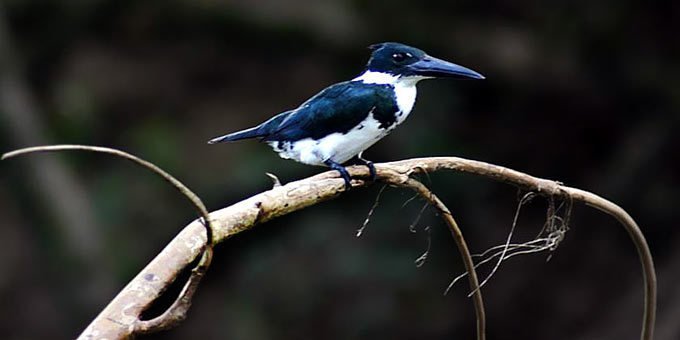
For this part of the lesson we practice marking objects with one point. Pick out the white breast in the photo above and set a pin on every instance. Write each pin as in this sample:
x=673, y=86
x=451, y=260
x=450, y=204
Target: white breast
x=406, y=98
x=404, y=88
x=338, y=147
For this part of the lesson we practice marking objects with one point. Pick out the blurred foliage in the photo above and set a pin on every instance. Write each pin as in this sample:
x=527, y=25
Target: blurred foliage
x=584, y=92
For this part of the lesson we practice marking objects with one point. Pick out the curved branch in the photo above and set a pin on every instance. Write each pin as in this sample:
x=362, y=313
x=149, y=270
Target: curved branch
x=118, y=319
x=202, y=210
x=553, y=188
x=300, y=194
x=177, y=311
x=124, y=309
x=410, y=183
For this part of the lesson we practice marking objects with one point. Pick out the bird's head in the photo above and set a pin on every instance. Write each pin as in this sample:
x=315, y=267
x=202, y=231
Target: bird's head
x=405, y=61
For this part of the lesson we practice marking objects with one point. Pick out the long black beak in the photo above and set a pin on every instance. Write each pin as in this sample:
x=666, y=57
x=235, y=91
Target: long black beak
x=433, y=67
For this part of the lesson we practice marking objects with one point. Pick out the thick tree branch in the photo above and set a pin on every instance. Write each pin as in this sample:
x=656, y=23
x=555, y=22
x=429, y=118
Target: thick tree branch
x=120, y=319
x=140, y=292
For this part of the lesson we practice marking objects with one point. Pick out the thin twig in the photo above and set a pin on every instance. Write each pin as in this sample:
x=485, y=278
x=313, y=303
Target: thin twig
x=371, y=211
x=275, y=180
x=412, y=226
x=548, y=244
x=420, y=261
x=403, y=205
x=525, y=199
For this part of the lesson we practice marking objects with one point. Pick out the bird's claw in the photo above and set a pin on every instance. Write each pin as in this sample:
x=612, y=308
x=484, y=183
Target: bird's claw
x=372, y=173
x=348, y=184
x=343, y=173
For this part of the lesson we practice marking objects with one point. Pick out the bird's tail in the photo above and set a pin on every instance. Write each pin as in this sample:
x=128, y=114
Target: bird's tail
x=243, y=134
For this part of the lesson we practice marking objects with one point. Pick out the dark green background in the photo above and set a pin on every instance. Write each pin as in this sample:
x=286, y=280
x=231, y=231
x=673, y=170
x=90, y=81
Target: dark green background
x=585, y=92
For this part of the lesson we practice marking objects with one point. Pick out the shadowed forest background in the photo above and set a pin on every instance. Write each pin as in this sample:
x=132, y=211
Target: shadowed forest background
x=587, y=93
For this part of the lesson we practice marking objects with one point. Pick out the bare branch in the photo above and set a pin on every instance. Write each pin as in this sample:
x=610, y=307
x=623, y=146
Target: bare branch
x=553, y=188
x=457, y=237
x=125, y=308
x=370, y=212
x=203, y=211
x=119, y=318
x=177, y=311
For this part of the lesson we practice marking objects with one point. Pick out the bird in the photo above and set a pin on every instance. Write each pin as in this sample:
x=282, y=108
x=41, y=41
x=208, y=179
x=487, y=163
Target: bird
x=344, y=119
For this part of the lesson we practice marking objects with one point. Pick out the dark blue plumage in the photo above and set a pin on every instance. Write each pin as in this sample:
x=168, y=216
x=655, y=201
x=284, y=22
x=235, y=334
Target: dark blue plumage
x=337, y=109
x=344, y=119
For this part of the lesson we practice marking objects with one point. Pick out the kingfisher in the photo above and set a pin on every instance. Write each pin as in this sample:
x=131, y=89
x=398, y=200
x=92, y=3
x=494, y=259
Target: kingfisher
x=346, y=118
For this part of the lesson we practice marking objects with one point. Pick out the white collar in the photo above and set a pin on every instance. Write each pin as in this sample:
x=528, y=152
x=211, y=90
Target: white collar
x=372, y=77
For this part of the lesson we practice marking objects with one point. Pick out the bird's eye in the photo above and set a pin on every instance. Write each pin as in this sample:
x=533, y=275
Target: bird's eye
x=399, y=57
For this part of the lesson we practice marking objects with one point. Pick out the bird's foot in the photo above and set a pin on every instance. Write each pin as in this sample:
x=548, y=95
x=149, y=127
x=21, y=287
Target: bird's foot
x=371, y=168
x=343, y=172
